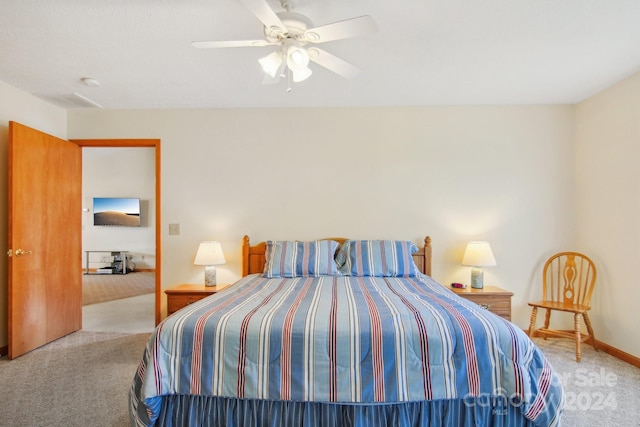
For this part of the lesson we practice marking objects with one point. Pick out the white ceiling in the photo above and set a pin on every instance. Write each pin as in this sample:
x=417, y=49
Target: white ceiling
x=426, y=52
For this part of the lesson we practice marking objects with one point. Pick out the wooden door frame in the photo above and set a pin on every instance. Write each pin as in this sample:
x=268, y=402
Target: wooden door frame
x=134, y=143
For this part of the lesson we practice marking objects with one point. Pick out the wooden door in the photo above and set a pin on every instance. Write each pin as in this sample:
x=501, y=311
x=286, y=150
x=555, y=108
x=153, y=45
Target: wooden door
x=45, y=245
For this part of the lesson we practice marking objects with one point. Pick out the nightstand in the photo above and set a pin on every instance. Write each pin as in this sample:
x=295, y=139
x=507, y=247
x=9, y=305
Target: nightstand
x=494, y=299
x=185, y=294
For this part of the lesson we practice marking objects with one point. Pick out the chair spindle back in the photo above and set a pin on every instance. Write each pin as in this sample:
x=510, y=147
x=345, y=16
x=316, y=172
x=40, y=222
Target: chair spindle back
x=569, y=277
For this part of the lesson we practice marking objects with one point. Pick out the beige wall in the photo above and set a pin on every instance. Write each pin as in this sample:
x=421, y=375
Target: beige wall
x=120, y=172
x=608, y=207
x=504, y=174
x=18, y=106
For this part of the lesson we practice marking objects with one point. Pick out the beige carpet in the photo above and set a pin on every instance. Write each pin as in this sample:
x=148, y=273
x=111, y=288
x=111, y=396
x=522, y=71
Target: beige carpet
x=98, y=288
x=601, y=390
x=80, y=380
x=84, y=380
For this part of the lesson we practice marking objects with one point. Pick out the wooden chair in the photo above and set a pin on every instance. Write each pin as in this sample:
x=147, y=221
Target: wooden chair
x=568, y=279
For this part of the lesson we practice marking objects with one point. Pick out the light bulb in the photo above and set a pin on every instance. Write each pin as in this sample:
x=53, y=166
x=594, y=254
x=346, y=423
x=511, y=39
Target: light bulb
x=297, y=58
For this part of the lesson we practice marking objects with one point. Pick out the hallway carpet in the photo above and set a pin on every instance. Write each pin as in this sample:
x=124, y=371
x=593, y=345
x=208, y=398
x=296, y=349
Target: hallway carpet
x=98, y=288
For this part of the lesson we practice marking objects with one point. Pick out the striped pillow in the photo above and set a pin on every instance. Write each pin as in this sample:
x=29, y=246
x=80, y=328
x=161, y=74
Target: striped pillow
x=301, y=259
x=379, y=258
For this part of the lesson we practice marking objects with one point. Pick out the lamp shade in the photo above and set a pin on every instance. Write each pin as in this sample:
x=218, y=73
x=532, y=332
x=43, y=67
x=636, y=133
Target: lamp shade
x=271, y=63
x=298, y=63
x=301, y=74
x=209, y=253
x=297, y=58
x=478, y=254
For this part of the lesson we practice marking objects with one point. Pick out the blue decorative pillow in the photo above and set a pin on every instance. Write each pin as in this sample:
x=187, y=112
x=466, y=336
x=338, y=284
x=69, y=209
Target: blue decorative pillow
x=379, y=258
x=301, y=259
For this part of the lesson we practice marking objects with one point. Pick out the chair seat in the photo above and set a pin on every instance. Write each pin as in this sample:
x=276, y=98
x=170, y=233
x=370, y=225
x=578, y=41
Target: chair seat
x=562, y=306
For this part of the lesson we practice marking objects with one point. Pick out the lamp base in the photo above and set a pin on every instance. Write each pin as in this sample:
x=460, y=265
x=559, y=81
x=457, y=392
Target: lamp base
x=210, y=275
x=477, y=278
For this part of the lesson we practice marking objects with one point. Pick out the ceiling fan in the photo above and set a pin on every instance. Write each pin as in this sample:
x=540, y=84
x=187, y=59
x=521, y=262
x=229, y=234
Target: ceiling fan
x=296, y=38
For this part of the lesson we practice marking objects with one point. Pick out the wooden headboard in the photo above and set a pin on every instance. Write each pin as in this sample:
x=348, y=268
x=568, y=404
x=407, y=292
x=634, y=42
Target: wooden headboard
x=253, y=257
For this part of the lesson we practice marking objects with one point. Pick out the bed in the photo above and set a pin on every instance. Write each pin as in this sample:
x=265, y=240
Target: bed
x=340, y=332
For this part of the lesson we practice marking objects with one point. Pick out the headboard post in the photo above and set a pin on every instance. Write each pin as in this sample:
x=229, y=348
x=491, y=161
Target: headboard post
x=427, y=255
x=245, y=255
x=253, y=257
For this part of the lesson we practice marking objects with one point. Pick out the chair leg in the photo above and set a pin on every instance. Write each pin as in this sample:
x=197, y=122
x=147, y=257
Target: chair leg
x=532, y=322
x=576, y=326
x=547, y=316
x=587, y=322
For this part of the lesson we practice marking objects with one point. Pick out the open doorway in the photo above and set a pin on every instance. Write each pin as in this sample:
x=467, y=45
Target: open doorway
x=53, y=297
x=118, y=239
x=115, y=164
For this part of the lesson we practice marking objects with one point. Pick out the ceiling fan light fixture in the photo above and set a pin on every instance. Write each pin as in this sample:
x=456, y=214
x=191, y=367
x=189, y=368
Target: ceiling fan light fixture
x=301, y=74
x=271, y=63
x=297, y=58
x=293, y=33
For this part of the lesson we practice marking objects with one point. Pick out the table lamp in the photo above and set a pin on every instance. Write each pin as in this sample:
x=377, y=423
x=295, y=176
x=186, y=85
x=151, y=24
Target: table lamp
x=478, y=255
x=209, y=254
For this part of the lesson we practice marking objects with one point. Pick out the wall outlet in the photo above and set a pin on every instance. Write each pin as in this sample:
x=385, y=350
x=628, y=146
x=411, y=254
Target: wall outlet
x=174, y=229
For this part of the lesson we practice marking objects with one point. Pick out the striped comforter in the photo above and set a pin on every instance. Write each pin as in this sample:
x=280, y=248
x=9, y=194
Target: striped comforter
x=348, y=340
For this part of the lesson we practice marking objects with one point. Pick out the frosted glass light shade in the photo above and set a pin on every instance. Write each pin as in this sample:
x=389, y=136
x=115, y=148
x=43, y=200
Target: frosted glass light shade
x=297, y=58
x=298, y=63
x=301, y=74
x=271, y=63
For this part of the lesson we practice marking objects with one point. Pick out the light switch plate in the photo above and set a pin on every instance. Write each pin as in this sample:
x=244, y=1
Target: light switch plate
x=174, y=229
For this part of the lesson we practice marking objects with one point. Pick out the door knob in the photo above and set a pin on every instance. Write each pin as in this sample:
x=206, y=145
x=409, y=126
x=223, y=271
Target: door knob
x=18, y=252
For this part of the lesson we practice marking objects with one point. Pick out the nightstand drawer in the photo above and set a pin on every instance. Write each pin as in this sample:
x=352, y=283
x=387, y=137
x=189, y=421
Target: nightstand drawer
x=185, y=294
x=491, y=303
x=492, y=298
x=176, y=302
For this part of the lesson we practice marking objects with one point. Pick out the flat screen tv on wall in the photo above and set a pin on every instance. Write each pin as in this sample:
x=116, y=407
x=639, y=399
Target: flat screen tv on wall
x=116, y=211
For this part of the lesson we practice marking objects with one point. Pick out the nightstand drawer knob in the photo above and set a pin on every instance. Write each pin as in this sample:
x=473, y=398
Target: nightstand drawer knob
x=486, y=306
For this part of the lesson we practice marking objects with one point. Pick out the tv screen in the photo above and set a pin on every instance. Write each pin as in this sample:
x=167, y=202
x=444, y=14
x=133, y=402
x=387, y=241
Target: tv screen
x=116, y=211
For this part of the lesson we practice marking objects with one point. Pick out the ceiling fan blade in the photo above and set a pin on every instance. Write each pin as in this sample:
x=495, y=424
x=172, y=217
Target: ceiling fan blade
x=266, y=15
x=232, y=43
x=348, y=28
x=332, y=63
